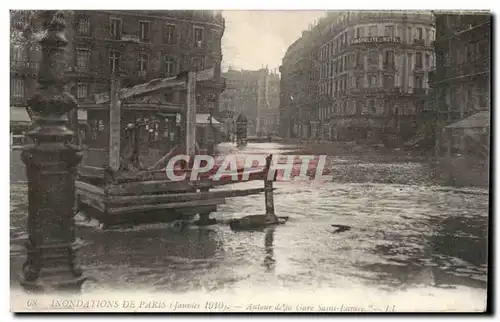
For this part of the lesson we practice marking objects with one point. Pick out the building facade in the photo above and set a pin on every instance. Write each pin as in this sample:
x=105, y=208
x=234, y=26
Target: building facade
x=461, y=80
x=372, y=70
x=461, y=97
x=138, y=46
x=255, y=94
x=298, y=86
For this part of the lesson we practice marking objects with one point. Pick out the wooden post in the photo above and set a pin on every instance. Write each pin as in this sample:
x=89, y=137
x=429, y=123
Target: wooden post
x=73, y=124
x=51, y=169
x=268, y=193
x=114, y=125
x=191, y=115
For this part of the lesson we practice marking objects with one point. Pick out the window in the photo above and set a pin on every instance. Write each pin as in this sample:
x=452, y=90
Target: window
x=428, y=35
x=114, y=61
x=388, y=81
x=83, y=59
x=418, y=82
x=359, y=60
x=359, y=82
x=359, y=107
x=198, y=37
x=373, y=58
x=169, y=34
x=410, y=38
x=372, y=32
x=360, y=32
x=198, y=63
x=17, y=90
x=143, y=62
x=18, y=54
x=83, y=27
x=82, y=90
x=372, y=80
x=420, y=35
x=389, y=57
x=144, y=30
x=116, y=28
x=427, y=61
x=169, y=66
x=389, y=31
x=418, y=60
x=373, y=108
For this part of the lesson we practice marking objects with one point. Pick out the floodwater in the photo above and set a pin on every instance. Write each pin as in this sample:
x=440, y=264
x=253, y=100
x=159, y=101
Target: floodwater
x=420, y=244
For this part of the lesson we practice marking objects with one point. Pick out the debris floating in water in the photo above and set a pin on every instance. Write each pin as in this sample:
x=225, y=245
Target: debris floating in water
x=341, y=228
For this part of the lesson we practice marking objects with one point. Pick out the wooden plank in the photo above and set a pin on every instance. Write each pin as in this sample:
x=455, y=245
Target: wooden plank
x=146, y=175
x=166, y=157
x=178, y=197
x=93, y=201
x=172, y=205
x=191, y=115
x=87, y=187
x=142, y=89
x=89, y=171
x=147, y=187
x=114, y=126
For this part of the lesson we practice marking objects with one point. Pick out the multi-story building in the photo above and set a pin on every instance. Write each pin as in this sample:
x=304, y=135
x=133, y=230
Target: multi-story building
x=461, y=81
x=137, y=46
x=372, y=70
x=298, y=87
x=269, y=109
x=254, y=94
x=461, y=102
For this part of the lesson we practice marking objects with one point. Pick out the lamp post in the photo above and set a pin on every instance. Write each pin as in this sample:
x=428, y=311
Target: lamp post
x=51, y=169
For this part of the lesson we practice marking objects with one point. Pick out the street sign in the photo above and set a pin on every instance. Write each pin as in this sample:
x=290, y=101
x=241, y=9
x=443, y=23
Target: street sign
x=205, y=74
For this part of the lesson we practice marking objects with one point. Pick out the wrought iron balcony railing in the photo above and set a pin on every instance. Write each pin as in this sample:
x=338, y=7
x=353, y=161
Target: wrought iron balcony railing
x=376, y=39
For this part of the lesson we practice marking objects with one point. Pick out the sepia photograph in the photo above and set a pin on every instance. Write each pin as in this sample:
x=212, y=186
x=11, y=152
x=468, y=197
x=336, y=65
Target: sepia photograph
x=261, y=161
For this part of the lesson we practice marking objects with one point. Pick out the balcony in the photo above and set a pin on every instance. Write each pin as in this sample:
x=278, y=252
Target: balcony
x=375, y=40
x=130, y=38
x=359, y=66
x=419, y=42
x=24, y=67
x=389, y=66
x=375, y=90
x=419, y=91
x=419, y=68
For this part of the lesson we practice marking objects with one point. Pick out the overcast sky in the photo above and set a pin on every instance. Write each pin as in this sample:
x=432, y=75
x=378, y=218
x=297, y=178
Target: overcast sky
x=253, y=39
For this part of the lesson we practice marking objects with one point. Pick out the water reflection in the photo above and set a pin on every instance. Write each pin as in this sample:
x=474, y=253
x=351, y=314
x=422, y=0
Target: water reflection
x=402, y=236
x=269, y=260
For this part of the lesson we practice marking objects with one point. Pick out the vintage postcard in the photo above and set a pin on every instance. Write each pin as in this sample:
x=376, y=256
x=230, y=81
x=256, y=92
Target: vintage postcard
x=249, y=161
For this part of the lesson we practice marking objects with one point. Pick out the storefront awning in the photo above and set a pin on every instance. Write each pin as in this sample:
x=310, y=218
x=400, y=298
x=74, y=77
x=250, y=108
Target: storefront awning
x=19, y=114
x=477, y=121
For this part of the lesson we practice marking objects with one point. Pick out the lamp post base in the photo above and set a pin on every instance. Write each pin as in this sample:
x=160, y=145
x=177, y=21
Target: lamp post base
x=54, y=285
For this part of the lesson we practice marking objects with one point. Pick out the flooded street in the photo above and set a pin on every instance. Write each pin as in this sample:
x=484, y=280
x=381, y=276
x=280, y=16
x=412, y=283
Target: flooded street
x=409, y=238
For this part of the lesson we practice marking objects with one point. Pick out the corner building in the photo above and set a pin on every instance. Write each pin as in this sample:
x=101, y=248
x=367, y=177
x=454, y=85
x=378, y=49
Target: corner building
x=373, y=74
x=139, y=46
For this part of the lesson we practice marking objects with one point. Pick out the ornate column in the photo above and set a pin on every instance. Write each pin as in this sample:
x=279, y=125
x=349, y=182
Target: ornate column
x=51, y=168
